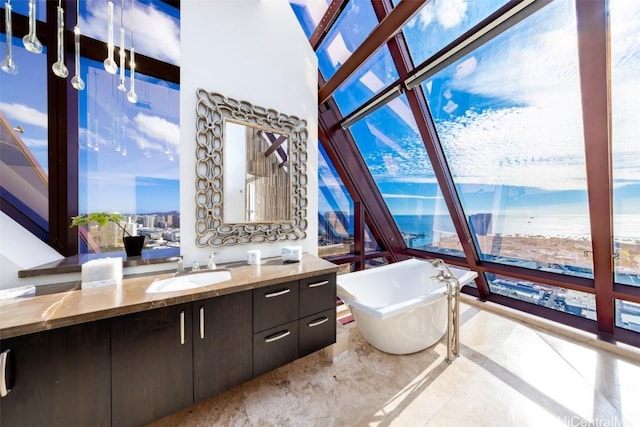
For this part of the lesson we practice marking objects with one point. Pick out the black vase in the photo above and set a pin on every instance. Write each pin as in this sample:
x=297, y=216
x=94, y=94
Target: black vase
x=133, y=245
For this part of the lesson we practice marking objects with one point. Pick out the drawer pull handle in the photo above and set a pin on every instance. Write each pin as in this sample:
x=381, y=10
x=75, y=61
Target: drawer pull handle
x=3, y=373
x=182, y=327
x=315, y=285
x=201, y=323
x=318, y=322
x=277, y=294
x=276, y=337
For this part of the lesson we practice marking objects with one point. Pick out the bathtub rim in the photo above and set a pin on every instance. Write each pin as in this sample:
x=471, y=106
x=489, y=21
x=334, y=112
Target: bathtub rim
x=463, y=276
x=396, y=309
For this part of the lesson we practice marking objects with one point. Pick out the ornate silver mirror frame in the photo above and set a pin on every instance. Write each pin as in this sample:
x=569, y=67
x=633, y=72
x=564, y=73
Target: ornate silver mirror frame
x=213, y=110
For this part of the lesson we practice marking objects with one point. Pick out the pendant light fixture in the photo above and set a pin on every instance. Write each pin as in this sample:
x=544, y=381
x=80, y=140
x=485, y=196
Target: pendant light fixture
x=58, y=67
x=122, y=51
x=31, y=42
x=110, y=65
x=76, y=81
x=131, y=96
x=7, y=64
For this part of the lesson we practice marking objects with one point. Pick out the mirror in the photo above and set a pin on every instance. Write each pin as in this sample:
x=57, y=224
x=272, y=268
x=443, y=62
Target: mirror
x=251, y=177
x=259, y=176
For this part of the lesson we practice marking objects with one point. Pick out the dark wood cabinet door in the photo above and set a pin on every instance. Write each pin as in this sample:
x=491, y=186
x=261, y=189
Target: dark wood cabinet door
x=275, y=305
x=317, y=294
x=151, y=364
x=316, y=331
x=222, y=343
x=275, y=347
x=59, y=377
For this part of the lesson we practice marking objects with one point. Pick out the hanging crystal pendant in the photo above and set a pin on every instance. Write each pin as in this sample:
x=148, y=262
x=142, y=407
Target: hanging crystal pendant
x=58, y=67
x=123, y=52
x=31, y=42
x=7, y=64
x=110, y=65
x=131, y=96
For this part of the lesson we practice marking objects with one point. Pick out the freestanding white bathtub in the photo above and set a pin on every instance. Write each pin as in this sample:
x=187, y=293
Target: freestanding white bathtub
x=399, y=308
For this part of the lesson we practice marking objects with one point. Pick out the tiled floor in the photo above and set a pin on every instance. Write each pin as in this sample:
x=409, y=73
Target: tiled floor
x=508, y=374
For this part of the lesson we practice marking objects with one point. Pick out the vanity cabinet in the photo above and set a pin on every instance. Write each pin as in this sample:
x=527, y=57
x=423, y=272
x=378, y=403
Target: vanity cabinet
x=292, y=320
x=151, y=364
x=222, y=343
x=59, y=377
x=132, y=369
x=317, y=324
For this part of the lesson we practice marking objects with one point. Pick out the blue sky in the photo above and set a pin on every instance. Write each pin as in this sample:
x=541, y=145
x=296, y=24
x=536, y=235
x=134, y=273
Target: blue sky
x=122, y=145
x=508, y=114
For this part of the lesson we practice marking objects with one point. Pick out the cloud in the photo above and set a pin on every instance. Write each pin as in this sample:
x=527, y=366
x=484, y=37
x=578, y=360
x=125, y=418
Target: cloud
x=158, y=128
x=156, y=34
x=24, y=115
x=447, y=13
x=450, y=13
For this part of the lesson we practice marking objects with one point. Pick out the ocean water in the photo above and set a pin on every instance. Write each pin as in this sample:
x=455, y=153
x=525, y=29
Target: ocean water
x=626, y=227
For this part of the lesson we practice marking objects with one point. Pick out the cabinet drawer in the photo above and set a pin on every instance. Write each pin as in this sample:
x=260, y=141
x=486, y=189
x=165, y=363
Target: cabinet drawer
x=275, y=347
x=275, y=305
x=317, y=294
x=316, y=331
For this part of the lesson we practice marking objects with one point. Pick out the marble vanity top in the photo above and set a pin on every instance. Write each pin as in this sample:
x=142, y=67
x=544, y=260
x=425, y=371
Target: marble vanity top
x=24, y=315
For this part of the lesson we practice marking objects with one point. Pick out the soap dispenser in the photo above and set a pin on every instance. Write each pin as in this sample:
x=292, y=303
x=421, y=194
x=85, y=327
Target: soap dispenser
x=211, y=265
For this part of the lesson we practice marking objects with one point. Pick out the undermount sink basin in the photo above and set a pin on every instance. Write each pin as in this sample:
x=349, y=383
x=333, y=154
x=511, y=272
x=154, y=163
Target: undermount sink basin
x=189, y=281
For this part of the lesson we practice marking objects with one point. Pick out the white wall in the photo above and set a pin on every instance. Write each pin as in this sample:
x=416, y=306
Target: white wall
x=252, y=50
x=19, y=249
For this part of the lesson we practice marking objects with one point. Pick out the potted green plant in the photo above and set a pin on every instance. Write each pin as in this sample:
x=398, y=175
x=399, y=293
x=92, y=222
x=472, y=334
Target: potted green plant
x=132, y=244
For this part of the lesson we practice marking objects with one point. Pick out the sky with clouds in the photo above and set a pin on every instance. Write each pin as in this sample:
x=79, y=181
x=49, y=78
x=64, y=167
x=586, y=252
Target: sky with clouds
x=121, y=144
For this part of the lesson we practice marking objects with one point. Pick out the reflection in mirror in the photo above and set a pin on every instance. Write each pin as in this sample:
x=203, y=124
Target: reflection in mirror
x=259, y=175
x=251, y=173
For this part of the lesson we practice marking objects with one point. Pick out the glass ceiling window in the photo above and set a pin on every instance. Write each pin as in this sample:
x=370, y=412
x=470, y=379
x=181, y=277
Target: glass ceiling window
x=439, y=22
x=578, y=303
x=335, y=210
x=351, y=28
x=509, y=118
x=128, y=157
x=397, y=159
x=22, y=8
x=625, y=86
x=24, y=147
x=309, y=13
x=156, y=26
x=373, y=76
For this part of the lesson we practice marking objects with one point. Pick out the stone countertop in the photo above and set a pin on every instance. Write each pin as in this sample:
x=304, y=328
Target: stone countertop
x=25, y=315
x=73, y=264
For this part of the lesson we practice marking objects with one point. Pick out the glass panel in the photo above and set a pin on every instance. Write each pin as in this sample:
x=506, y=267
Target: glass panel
x=373, y=76
x=22, y=7
x=128, y=156
x=439, y=22
x=628, y=315
x=351, y=28
x=335, y=210
x=578, y=303
x=309, y=13
x=375, y=262
x=156, y=27
x=625, y=87
x=393, y=150
x=370, y=243
x=24, y=181
x=513, y=141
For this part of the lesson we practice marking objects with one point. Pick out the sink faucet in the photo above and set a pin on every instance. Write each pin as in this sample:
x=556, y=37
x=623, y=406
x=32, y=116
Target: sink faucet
x=211, y=265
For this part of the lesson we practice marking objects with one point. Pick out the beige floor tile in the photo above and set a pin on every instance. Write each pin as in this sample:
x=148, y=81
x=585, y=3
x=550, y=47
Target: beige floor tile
x=507, y=374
